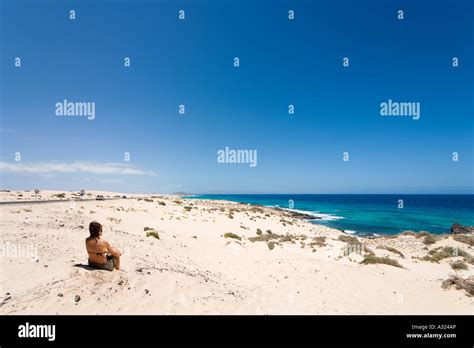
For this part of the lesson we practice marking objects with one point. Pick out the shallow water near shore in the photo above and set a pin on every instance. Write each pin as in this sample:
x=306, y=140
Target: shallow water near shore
x=372, y=213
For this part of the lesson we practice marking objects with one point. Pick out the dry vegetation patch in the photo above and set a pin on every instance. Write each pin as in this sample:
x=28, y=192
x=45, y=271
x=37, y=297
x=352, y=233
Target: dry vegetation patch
x=439, y=254
x=429, y=239
x=464, y=238
x=458, y=265
x=392, y=250
x=371, y=259
x=460, y=284
x=232, y=235
x=150, y=232
x=348, y=239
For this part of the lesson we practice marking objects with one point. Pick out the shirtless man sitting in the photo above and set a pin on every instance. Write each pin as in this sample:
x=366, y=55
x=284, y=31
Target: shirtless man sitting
x=101, y=254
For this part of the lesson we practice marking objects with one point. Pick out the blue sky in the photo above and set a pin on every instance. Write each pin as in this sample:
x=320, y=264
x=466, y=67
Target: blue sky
x=282, y=62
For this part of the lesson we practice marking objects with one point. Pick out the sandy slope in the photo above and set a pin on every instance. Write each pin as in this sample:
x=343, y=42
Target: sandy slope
x=193, y=269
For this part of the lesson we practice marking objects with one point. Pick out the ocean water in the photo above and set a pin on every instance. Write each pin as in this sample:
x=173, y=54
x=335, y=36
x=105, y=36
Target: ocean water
x=372, y=214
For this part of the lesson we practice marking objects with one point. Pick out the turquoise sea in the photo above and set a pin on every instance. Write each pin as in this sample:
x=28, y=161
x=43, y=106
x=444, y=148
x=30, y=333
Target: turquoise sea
x=371, y=214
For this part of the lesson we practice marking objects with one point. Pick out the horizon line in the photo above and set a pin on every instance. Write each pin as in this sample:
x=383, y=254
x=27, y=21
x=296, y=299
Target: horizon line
x=202, y=194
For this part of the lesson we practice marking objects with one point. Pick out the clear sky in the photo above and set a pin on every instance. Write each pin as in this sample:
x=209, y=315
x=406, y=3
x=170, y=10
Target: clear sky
x=282, y=62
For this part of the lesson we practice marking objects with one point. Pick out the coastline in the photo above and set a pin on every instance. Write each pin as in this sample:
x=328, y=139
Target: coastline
x=371, y=214
x=217, y=257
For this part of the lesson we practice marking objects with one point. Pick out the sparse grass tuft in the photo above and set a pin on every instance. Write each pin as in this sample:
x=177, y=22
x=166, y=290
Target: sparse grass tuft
x=460, y=284
x=370, y=259
x=464, y=238
x=287, y=238
x=423, y=234
x=408, y=233
x=152, y=233
x=271, y=245
x=348, y=239
x=458, y=265
x=264, y=238
x=392, y=250
x=319, y=241
x=429, y=239
x=112, y=219
x=232, y=235
x=467, y=257
x=255, y=209
x=285, y=222
x=162, y=203
x=439, y=254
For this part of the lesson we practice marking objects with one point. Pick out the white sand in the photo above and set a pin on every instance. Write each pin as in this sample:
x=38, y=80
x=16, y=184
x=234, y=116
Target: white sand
x=209, y=274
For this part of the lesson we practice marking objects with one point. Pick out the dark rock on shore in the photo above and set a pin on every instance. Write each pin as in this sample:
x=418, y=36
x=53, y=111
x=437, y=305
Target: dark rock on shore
x=460, y=229
x=297, y=215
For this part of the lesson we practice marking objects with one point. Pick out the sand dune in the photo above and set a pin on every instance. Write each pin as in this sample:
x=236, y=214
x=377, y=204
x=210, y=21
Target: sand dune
x=197, y=267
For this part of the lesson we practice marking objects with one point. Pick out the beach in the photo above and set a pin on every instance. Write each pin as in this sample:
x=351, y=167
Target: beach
x=214, y=257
